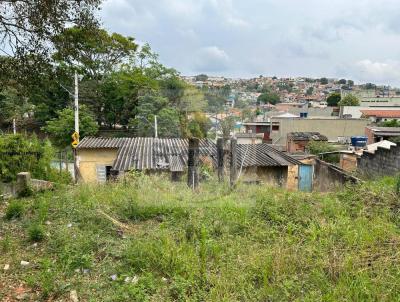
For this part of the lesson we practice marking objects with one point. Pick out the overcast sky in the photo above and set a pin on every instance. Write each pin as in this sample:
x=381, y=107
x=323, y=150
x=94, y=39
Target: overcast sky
x=358, y=39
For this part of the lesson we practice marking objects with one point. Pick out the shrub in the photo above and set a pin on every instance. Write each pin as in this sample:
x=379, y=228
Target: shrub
x=14, y=210
x=36, y=232
x=21, y=153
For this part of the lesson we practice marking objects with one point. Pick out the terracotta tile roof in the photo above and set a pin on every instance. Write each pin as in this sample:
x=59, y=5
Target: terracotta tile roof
x=382, y=113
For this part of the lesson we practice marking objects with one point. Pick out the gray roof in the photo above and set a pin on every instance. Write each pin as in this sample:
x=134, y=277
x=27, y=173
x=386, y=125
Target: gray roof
x=378, y=130
x=263, y=155
x=171, y=154
x=306, y=136
x=148, y=153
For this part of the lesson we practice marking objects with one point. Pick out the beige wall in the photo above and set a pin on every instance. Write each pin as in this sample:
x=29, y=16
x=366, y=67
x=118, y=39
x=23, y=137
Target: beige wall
x=88, y=159
x=293, y=178
x=287, y=177
x=332, y=128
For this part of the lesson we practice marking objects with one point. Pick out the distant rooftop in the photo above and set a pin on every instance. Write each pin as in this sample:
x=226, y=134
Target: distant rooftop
x=306, y=136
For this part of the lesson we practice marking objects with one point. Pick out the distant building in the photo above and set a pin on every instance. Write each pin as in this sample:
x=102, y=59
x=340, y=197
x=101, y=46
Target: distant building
x=380, y=115
x=298, y=141
x=377, y=134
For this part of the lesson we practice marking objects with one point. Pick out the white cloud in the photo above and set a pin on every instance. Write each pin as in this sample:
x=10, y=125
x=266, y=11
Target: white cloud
x=211, y=59
x=380, y=72
x=285, y=37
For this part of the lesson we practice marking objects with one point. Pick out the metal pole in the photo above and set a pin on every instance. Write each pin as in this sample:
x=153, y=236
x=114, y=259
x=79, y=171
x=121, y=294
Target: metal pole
x=14, y=127
x=155, y=126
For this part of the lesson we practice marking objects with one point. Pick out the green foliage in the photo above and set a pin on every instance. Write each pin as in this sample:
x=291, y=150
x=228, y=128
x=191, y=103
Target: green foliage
x=349, y=100
x=199, y=125
x=24, y=154
x=398, y=185
x=93, y=50
x=62, y=127
x=227, y=125
x=391, y=123
x=166, y=243
x=310, y=91
x=333, y=99
x=201, y=77
x=342, y=81
x=317, y=147
x=324, y=81
x=268, y=97
x=14, y=210
x=36, y=232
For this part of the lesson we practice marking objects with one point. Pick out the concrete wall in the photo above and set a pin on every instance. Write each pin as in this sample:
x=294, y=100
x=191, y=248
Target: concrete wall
x=328, y=177
x=286, y=177
x=382, y=162
x=88, y=159
x=293, y=178
x=274, y=176
x=332, y=128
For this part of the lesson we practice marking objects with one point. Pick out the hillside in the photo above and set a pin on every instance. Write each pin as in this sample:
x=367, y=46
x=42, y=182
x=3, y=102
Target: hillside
x=149, y=240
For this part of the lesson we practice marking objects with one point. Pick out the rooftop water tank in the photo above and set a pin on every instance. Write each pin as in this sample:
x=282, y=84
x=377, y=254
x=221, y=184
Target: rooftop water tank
x=359, y=141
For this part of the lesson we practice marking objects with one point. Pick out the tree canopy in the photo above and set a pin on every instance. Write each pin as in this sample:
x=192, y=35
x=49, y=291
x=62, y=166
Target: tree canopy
x=349, y=100
x=333, y=99
x=268, y=98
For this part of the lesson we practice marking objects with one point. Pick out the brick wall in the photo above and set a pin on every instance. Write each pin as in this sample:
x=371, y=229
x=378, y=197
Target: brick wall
x=382, y=162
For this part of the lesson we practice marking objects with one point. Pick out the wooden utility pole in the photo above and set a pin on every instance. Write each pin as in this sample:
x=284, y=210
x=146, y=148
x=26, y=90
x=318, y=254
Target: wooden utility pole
x=233, y=160
x=193, y=163
x=220, y=159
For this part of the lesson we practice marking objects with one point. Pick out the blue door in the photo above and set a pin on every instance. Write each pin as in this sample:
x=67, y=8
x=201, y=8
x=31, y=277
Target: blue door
x=305, y=178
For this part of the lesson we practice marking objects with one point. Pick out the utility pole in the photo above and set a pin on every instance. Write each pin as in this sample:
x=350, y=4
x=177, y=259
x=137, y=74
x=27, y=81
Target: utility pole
x=155, y=127
x=76, y=105
x=14, y=127
x=76, y=133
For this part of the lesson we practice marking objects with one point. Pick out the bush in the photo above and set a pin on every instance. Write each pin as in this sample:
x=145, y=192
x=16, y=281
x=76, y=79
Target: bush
x=36, y=232
x=14, y=210
x=20, y=153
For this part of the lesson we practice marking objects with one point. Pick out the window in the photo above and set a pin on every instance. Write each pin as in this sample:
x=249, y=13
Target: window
x=275, y=127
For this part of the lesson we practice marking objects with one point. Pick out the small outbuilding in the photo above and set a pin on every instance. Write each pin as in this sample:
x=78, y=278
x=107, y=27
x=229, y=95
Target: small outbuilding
x=100, y=159
x=298, y=141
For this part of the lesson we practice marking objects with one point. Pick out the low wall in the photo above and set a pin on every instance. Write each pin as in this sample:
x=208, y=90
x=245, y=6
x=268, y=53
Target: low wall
x=8, y=190
x=327, y=177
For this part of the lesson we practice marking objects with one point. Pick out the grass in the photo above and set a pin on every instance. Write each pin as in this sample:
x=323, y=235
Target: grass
x=147, y=239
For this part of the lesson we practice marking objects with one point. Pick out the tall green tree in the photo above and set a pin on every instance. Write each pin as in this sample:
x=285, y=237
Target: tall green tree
x=333, y=99
x=61, y=128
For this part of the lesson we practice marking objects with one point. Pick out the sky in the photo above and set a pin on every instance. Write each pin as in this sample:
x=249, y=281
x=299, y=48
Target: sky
x=353, y=39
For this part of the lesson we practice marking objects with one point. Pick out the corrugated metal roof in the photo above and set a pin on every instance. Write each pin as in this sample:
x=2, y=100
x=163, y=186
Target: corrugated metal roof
x=147, y=153
x=101, y=142
x=263, y=155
